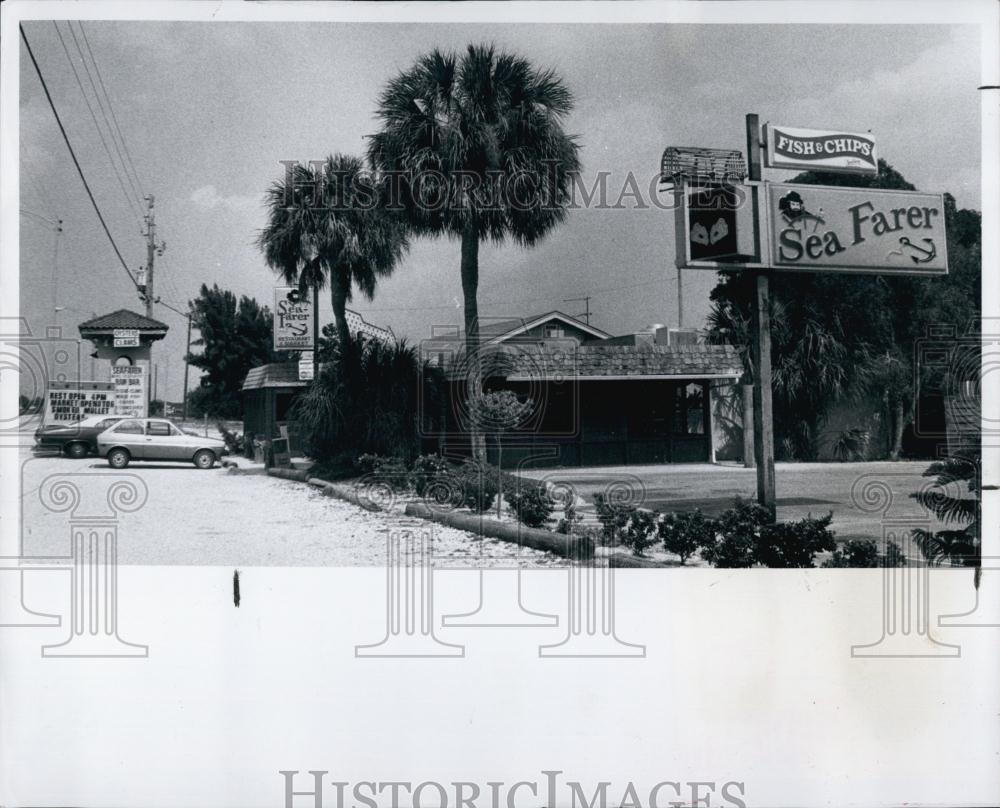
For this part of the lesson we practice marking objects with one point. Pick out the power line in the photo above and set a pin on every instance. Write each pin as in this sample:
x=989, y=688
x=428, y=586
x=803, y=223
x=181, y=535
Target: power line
x=137, y=185
x=72, y=154
x=93, y=117
x=533, y=299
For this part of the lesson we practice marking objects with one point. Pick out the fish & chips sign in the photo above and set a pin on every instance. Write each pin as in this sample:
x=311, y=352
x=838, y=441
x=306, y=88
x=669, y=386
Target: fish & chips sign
x=816, y=227
x=820, y=150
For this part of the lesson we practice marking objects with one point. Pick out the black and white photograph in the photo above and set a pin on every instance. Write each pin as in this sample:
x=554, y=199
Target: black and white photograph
x=499, y=405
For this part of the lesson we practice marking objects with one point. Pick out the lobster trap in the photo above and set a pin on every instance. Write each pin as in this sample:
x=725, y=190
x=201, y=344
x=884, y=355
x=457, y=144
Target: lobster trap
x=697, y=166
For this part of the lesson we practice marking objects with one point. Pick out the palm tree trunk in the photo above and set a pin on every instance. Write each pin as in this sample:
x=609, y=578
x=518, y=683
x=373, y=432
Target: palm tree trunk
x=897, y=429
x=470, y=290
x=340, y=285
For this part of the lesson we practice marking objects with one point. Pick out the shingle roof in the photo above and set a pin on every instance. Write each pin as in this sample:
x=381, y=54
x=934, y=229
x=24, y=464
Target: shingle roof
x=123, y=318
x=596, y=361
x=276, y=374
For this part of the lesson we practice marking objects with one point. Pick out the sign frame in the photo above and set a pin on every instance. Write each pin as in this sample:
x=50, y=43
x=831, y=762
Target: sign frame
x=846, y=268
x=777, y=161
x=282, y=340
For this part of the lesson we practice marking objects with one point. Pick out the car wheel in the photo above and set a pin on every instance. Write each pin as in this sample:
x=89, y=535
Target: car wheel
x=204, y=459
x=76, y=450
x=118, y=458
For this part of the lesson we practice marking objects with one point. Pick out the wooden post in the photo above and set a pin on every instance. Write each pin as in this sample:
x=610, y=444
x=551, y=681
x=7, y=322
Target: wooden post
x=748, y=442
x=763, y=418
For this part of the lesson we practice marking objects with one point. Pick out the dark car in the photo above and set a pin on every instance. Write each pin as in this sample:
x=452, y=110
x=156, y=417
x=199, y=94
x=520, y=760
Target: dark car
x=77, y=439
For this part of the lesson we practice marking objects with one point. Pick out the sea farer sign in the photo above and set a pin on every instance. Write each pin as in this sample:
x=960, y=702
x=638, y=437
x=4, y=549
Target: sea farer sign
x=818, y=227
x=820, y=150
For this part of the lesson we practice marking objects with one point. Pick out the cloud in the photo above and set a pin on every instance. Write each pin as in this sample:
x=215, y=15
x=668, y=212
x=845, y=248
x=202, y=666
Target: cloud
x=209, y=198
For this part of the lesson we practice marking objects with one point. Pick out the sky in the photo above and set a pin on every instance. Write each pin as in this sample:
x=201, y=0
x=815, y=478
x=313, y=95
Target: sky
x=209, y=110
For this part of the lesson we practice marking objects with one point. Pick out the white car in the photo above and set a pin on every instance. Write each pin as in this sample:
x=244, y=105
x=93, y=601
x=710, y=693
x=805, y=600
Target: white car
x=156, y=439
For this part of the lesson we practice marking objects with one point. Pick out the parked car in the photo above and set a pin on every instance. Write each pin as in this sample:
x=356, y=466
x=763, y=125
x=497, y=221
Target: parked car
x=77, y=439
x=156, y=439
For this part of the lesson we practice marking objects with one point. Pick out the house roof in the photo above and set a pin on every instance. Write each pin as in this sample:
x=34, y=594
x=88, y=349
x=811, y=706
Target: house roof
x=534, y=362
x=123, y=318
x=507, y=329
x=276, y=374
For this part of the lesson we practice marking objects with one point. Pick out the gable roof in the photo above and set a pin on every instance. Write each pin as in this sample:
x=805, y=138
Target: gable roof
x=123, y=318
x=502, y=331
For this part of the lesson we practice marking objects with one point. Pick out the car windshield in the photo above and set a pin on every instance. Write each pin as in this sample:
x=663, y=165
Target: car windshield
x=131, y=427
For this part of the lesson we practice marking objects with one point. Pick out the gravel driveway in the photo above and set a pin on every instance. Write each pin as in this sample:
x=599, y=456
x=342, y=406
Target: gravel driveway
x=217, y=518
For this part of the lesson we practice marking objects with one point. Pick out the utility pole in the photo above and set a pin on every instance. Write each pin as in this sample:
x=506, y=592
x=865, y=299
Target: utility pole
x=586, y=313
x=150, y=255
x=186, y=354
x=763, y=417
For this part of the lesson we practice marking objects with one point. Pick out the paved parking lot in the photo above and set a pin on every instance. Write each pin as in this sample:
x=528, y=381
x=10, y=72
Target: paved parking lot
x=214, y=517
x=802, y=489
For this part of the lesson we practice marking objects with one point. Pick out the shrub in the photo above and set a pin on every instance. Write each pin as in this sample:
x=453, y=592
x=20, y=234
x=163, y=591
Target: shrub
x=737, y=531
x=235, y=443
x=639, y=530
x=477, y=485
x=854, y=553
x=389, y=470
x=371, y=397
x=851, y=445
x=570, y=521
x=684, y=533
x=427, y=468
x=612, y=516
x=531, y=502
x=864, y=553
x=794, y=544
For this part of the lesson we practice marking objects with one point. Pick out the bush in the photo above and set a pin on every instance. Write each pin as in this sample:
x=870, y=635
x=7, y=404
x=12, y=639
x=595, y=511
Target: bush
x=570, y=521
x=427, y=468
x=794, y=544
x=372, y=397
x=613, y=517
x=389, y=470
x=684, y=533
x=477, y=485
x=235, y=443
x=864, y=554
x=639, y=530
x=737, y=532
x=531, y=502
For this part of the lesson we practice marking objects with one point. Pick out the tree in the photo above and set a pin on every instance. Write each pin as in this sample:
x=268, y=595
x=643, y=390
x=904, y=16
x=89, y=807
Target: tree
x=235, y=335
x=953, y=498
x=369, y=399
x=473, y=147
x=325, y=226
x=497, y=412
x=839, y=337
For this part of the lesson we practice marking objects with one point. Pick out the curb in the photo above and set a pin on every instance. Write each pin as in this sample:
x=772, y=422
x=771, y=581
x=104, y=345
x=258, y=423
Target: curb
x=622, y=561
x=328, y=489
x=573, y=548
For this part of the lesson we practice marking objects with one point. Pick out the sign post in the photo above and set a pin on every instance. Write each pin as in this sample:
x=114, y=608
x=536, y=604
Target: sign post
x=763, y=415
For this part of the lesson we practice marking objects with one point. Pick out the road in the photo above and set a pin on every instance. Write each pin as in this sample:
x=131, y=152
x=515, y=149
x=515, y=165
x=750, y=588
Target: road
x=217, y=518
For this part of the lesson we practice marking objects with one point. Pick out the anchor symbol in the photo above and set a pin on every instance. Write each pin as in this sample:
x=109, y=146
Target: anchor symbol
x=929, y=254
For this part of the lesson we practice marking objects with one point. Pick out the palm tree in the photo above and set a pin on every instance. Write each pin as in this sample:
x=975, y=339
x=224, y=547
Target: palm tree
x=325, y=226
x=476, y=151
